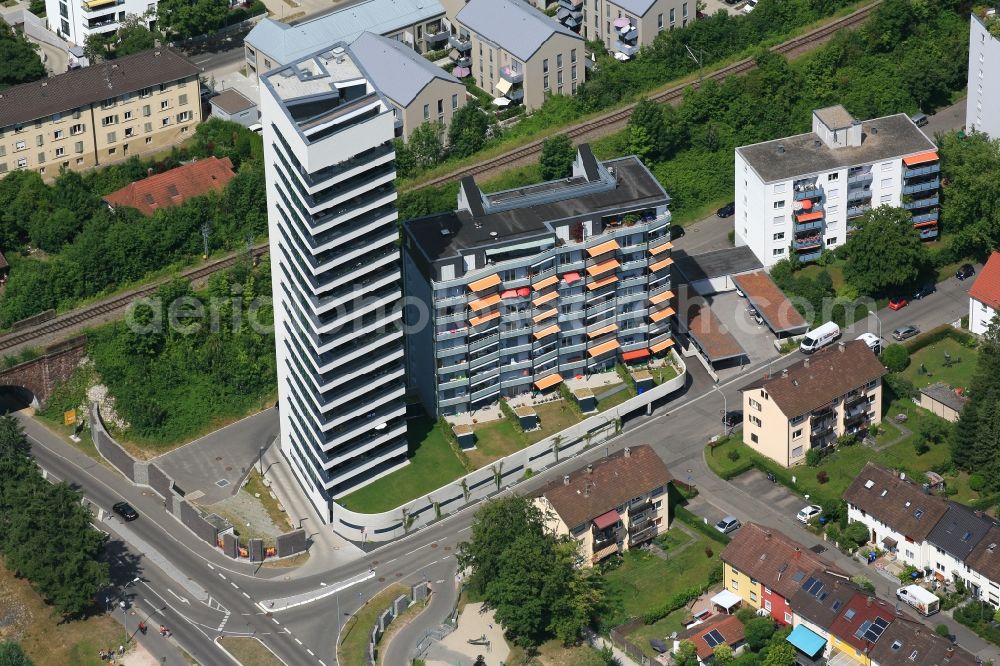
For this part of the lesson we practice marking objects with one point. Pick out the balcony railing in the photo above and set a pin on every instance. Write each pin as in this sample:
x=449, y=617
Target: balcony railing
x=925, y=217
x=860, y=178
x=805, y=243
x=806, y=257
x=809, y=226
x=916, y=172
x=437, y=38
x=508, y=74
x=626, y=49
x=461, y=42
x=928, y=186
x=859, y=195
x=811, y=192
x=857, y=211
x=921, y=203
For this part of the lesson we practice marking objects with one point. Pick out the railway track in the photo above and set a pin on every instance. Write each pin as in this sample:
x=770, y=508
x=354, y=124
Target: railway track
x=83, y=315
x=619, y=117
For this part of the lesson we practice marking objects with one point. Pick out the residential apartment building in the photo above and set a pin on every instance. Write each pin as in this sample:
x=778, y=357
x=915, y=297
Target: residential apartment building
x=420, y=24
x=418, y=90
x=75, y=21
x=519, y=53
x=523, y=288
x=805, y=193
x=611, y=505
x=336, y=273
x=836, y=391
x=100, y=114
x=984, y=296
x=984, y=567
x=625, y=25
x=982, y=106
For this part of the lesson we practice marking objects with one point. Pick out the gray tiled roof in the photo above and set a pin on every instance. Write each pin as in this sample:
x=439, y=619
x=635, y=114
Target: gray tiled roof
x=514, y=25
x=398, y=71
x=959, y=530
x=946, y=395
x=288, y=43
x=80, y=87
x=637, y=7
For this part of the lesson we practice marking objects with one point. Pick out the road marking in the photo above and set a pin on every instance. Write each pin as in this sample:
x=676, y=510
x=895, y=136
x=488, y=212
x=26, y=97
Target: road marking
x=275, y=620
x=179, y=597
x=210, y=566
x=298, y=641
x=311, y=653
x=288, y=631
x=234, y=585
x=269, y=606
x=222, y=576
x=245, y=595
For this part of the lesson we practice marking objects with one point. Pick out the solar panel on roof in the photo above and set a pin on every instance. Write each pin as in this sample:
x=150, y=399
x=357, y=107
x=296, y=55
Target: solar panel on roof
x=714, y=638
x=874, y=632
x=808, y=584
x=862, y=629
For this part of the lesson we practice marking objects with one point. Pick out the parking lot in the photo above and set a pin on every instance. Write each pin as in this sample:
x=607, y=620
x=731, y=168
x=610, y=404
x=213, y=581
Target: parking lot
x=756, y=339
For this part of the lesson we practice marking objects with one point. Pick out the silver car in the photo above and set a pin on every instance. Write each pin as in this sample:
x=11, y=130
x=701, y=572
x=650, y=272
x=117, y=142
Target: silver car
x=728, y=524
x=905, y=332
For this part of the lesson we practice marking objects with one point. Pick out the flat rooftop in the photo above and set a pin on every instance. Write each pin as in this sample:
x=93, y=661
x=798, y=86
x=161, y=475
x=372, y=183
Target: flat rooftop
x=705, y=329
x=448, y=234
x=882, y=139
x=717, y=263
x=317, y=74
x=772, y=304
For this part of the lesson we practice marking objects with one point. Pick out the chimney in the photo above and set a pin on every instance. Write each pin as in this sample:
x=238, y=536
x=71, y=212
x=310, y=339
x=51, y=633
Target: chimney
x=798, y=553
x=950, y=652
x=628, y=452
x=840, y=346
x=784, y=372
x=590, y=469
x=868, y=602
x=149, y=171
x=805, y=363
x=565, y=479
x=767, y=535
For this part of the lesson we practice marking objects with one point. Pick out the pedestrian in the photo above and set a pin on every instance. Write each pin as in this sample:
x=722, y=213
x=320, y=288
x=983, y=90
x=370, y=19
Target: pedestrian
x=101, y=654
x=121, y=649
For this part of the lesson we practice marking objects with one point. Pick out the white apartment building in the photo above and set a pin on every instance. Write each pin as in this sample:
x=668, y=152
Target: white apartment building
x=336, y=273
x=982, y=106
x=75, y=20
x=803, y=193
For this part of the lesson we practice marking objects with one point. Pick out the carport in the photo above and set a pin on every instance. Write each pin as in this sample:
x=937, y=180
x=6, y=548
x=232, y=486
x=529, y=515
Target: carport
x=771, y=303
x=711, y=338
x=712, y=272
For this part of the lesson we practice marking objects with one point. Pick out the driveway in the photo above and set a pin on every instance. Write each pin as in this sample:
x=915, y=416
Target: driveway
x=946, y=119
x=757, y=340
x=707, y=234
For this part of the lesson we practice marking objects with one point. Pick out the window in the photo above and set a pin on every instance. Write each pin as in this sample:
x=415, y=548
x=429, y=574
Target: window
x=78, y=148
x=753, y=437
x=3, y=151
x=797, y=452
x=108, y=120
x=572, y=55
x=672, y=10
x=833, y=176
x=22, y=162
x=572, y=74
x=756, y=421
x=545, y=65
x=778, y=219
x=684, y=10
x=129, y=132
x=41, y=157
x=558, y=60
x=165, y=122
x=886, y=182
x=56, y=117
x=112, y=151
x=545, y=82
x=735, y=584
x=39, y=140
x=3, y=167
x=58, y=134
x=659, y=21
x=149, y=140
x=832, y=210
x=559, y=78
x=885, y=198
x=146, y=111
x=147, y=127
x=831, y=241
x=79, y=161
x=127, y=115
x=779, y=236
x=886, y=166
x=183, y=116
x=767, y=605
x=108, y=103
x=60, y=151
x=779, y=204
x=440, y=106
x=164, y=87
x=779, y=188
x=753, y=596
x=112, y=137
x=164, y=104
x=146, y=92
x=778, y=251
x=756, y=405
x=427, y=111
x=20, y=145
x=797, y=433
x=454, y=102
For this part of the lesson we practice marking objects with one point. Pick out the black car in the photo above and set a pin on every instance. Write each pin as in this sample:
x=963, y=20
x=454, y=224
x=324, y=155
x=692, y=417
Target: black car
x=732, y=419
x=965, y=272
x=925, y=290
x=727, y=210
x=676, y=231
x=125, y=510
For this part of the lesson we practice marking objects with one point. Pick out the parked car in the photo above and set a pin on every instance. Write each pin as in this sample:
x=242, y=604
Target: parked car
x=818, y=337
x=728, y=524
x=676, y=231
x=965, y=272
x=898, y=303
x=919, y=119
x=808, y=513
x=733, y=419
x=875, y=343
x=125, y=510
x=749, y=7
x=727, y=210
x=925, y=290
x=905, y=332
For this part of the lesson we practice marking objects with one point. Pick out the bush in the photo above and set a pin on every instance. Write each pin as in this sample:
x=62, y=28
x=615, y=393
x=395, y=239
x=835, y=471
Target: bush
x=856, y=535
x=901, y=388
x=977, y=482
x=822, y=477
x=942, y=630
x=733, y=455
x=921, y=447
x=896, y=357
x=864, y=583
x=813, y=457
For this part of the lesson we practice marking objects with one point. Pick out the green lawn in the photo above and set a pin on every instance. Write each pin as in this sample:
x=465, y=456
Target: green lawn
x=835, y=270
x=616, y=399
x=659, y=630
x=663, y=374
x=353, y=648
x=554, y=417
x=932, y=359
x=432, y=465
x=844, y=464
x=494, y=440
x=643, y=581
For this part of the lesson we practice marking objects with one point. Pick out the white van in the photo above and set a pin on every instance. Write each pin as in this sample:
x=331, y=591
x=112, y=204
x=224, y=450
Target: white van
x=925, y=601
x=875, y=343
x=819, y=337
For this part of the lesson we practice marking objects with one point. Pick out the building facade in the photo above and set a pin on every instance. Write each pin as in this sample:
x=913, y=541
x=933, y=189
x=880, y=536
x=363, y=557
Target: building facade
x=811, y=403
x=982, y=106
x=984, y=296
x=100, y=114
x=420, y=24
x=336, y=274
x=804, y=193
x=611, y=505
x=520, y=54
x=75, y=21
x=526, y=287
x=625, y=25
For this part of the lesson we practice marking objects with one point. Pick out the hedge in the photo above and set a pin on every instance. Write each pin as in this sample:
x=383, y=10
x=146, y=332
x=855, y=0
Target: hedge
x=699, y=525
x=936, y=335
x=679, y=600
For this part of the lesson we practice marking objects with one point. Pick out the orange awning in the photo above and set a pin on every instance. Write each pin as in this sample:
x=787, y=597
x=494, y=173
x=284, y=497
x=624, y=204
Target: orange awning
x=547, y=382
x=485, y=302
x=660, y=346
x=476, y=321
x=542, y=284
x=603, y=348
x=635, y=355
x=544, y=315
x=928, y=223
x=929, y=156
x=570, y=278
x=546, y=298
x=485, y=283
x=662, y=296
x=597, y=284
x=554, y=328
x=662, y=314
x=661, y=248
x=661, y=264
x=603, y=267
x=809, y=217
x=598, y=250
x=602, y=330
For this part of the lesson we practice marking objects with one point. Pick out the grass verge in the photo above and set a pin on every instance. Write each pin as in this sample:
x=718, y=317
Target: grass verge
x=353, y=647
x=249, y=651
x=256, y=488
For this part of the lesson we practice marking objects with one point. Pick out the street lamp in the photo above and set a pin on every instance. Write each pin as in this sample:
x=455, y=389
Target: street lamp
x=872, y=313
x=725, y=406
x=124, y=606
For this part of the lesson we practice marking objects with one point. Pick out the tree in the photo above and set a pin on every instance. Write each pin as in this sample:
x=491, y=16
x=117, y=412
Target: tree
x=470, y=129
x=723, y=654
x=896, y=357
x=976, y=442
x=557, y=157
x=406, y=162
x=19, y=58
x=132, y=36
x=686, y=655
x=527, y=573
x=11, y=654
x=758, y=631
x=190, y=18
x=856, y=534
x=885, y=254
x=647, y=116
x=425, y=145
x=781, y=653
x=639, y=143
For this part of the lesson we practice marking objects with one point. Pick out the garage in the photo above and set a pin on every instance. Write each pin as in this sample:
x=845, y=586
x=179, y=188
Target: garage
x=713, y=272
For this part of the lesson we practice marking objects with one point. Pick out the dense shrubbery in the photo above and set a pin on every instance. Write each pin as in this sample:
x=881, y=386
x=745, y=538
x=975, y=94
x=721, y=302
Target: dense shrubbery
x=45, y=533
x=90, y=250
x=19, y=58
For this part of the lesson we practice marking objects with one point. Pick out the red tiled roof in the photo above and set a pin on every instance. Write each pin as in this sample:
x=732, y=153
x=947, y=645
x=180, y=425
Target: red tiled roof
x=771, y=302
x=986, y=288
x=174, y=187
x=861, y=609
x=728, y=626
x=713, y=338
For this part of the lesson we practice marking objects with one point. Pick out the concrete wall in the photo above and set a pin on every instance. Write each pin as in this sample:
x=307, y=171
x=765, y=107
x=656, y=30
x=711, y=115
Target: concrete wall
x=982, y=111
x=481, y=484
x=41, y=375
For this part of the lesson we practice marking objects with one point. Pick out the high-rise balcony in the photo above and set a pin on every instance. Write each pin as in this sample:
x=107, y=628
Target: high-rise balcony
x=859, y=194
x=812, y=191
x=928, y=233
x=807, y=242
x=926, y=202
x=511, y=75
x=917, y=172
x=626, y=48
x=925, y=186
x=857, y=211
x=860, y=178
x=462, y=42
x=437, y=39
x=806, y=257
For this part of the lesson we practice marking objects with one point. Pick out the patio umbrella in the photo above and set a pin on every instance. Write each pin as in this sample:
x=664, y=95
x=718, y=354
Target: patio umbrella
x=621, y=22
x=461, y=72
x=501, y=101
